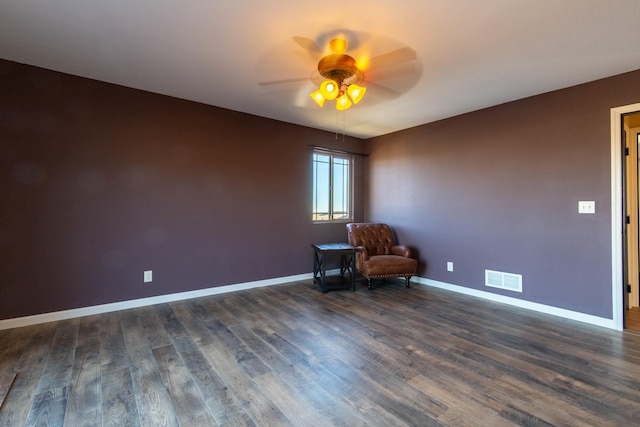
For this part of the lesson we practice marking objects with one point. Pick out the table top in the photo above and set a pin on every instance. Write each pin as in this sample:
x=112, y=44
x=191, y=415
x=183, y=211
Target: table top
x=329, y=247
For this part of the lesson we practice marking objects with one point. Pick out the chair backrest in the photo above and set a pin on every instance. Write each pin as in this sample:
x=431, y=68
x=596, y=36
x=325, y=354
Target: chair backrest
x=377, y=238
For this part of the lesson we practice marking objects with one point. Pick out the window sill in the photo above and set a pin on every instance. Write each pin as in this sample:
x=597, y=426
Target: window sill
x=335, y=221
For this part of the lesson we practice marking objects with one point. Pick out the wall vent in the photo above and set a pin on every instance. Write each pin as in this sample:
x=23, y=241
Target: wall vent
x=507, y=281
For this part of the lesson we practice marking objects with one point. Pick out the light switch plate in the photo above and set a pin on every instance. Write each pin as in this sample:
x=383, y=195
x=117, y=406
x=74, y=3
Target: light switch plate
x=587, y=207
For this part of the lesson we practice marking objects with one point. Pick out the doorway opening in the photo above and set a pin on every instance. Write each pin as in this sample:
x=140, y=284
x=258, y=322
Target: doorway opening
x=619, y=244
x=631, y=212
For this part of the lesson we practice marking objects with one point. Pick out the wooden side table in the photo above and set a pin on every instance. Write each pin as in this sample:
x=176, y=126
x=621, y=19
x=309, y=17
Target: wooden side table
x=347, y=262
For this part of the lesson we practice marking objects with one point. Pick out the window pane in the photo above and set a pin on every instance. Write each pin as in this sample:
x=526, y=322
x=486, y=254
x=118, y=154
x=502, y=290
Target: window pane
x=321, y=187
x=340, y=188
x=331, y=187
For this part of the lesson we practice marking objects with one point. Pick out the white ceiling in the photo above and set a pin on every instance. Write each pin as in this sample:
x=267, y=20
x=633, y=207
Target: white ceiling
x=470, y=54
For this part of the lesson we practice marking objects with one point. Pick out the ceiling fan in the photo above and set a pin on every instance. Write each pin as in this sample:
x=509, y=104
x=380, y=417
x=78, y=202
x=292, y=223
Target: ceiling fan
x=341, y=77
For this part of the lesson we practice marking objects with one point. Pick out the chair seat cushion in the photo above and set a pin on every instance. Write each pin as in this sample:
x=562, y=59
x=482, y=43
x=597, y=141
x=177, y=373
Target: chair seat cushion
x=389, y=265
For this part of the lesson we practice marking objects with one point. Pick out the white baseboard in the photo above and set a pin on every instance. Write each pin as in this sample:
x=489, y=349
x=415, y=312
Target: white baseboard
x=542, y=308
x=124, y=305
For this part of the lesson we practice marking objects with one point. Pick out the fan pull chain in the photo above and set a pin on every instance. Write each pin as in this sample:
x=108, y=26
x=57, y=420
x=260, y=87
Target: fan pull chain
x=344, y=123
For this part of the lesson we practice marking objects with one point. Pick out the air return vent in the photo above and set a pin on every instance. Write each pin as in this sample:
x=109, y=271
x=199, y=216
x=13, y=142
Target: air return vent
x=498, y=279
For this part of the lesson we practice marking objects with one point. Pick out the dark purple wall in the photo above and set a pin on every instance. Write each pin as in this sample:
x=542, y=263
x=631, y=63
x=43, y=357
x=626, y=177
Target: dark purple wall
x=100, y=182
x=499, y=188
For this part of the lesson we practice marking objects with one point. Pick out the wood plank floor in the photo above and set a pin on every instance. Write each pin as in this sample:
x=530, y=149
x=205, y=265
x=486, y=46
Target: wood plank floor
x=633, y=320
x=6, y=381
x=288, y=355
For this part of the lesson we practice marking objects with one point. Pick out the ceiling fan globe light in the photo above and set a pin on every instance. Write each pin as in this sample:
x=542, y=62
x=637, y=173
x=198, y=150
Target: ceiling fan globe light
x=329, y=89
x=318, y=97
x=338, y=45
x=356, y=93
x=343, y=102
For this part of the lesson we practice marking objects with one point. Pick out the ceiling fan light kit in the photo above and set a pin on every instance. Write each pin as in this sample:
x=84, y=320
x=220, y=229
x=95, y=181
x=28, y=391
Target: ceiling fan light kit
x=342, y=74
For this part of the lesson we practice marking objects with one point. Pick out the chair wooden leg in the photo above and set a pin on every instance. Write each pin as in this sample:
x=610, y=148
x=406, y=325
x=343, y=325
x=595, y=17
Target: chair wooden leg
x=369, y=285
x=408, y=283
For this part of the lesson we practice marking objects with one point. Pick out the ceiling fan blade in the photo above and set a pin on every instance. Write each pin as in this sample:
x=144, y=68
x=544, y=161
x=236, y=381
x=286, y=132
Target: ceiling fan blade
x=309, y=45
x=394, y=57
x=395, y=72
x=381, y=91
x=283, y=81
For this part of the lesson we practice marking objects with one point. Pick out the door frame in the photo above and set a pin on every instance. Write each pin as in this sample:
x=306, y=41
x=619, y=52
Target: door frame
x=617, y=281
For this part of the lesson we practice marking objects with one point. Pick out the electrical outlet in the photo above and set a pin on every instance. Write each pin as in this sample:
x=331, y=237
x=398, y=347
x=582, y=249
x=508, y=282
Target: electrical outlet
x=587, y=207
x=449, y=266
x=148, y=276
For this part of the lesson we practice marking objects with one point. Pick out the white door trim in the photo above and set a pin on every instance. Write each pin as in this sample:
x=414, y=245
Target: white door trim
x=616, y=211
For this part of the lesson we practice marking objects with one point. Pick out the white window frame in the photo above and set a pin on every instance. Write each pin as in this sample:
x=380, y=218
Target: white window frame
x=331, y=210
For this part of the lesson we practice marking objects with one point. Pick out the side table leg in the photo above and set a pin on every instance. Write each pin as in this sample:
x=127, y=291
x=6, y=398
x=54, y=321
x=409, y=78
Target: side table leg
x=323, y=271
x=316, y=265
x=353, y=271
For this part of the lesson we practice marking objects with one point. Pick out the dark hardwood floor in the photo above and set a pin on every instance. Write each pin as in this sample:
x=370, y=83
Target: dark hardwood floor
x=633, y=320
x=290, y=355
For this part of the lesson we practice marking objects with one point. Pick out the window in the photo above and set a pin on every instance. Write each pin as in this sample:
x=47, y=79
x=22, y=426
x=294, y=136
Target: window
x=331, y=187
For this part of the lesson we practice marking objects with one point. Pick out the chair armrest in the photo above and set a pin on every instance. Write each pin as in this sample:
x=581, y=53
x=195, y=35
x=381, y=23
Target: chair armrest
x=364, y=253
x=401, y=250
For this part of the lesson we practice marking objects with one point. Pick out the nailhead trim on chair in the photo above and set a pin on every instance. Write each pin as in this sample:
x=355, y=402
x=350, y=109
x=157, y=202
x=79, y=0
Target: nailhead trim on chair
x=387, y=276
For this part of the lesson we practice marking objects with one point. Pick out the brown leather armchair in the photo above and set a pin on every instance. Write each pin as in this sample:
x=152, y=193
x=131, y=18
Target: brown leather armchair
x=376, y=254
